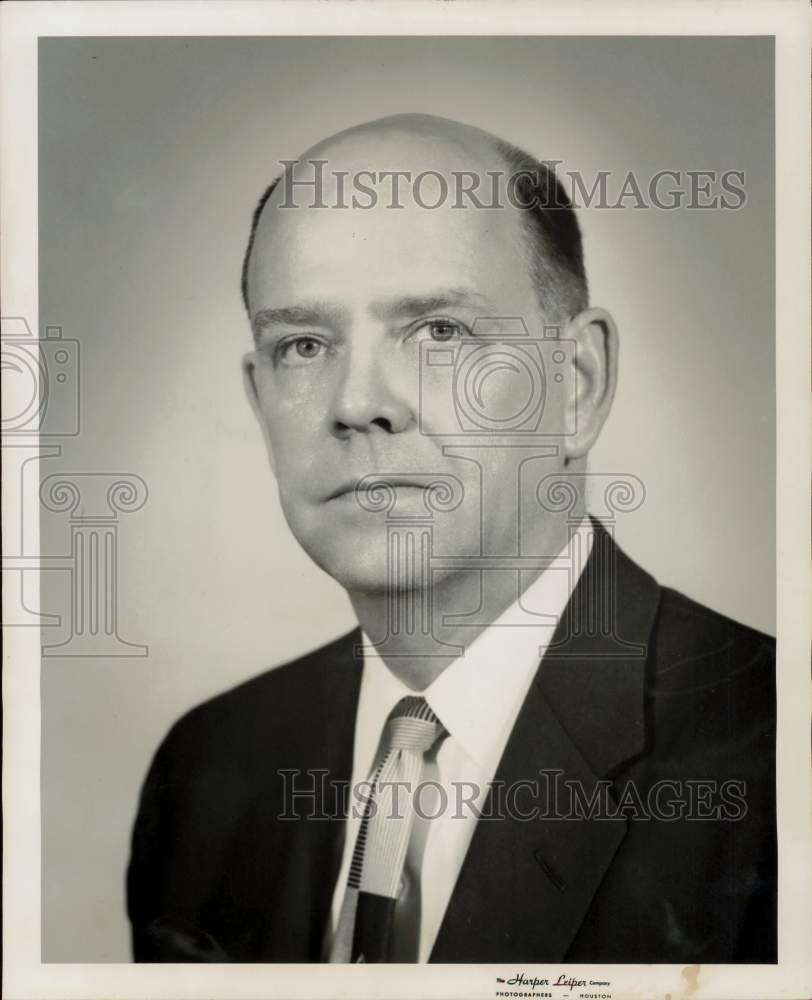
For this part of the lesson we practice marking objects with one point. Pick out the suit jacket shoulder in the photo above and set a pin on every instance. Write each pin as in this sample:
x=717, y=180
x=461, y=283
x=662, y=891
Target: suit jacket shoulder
x=206, y=863
x=688, y=633
x=272, y=708
x=712, y=685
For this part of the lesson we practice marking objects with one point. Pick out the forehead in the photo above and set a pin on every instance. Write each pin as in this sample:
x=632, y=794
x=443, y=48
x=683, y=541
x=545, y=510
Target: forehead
x=348, y=249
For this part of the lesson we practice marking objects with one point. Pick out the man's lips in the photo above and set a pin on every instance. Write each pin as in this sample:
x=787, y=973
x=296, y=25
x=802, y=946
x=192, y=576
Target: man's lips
x=358, y=486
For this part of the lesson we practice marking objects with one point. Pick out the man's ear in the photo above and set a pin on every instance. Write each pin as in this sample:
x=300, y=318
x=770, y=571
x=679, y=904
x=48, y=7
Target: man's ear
x=249, y=377
x=595, y=378
x=249, y=365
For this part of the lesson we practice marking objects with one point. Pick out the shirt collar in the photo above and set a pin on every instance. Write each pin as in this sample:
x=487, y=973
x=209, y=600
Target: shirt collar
x=478, y=696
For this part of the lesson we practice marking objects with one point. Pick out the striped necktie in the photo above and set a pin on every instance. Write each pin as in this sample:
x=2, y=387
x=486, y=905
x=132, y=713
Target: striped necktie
x=364, y=928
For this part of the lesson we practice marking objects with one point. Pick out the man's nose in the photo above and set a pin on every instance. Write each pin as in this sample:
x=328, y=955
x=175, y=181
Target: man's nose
x=366, y=399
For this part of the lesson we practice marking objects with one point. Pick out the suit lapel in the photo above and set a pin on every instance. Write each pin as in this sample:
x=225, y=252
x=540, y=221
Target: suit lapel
x=526, y=884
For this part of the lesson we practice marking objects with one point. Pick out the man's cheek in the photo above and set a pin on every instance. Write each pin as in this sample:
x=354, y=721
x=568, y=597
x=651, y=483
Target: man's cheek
x=299, y=467
x=438, y=414
x=291, y=429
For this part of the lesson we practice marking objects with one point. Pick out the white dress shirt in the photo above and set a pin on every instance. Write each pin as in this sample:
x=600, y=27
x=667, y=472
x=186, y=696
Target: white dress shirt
x=477, y=698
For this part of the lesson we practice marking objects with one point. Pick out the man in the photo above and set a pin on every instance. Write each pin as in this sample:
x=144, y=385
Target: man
x=586, y=758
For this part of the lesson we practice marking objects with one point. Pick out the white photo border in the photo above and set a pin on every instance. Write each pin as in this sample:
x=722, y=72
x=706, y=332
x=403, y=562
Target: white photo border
x=21, y=24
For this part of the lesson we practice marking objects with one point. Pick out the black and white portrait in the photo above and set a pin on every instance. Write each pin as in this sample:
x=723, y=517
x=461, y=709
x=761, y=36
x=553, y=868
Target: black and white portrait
x=407, y=497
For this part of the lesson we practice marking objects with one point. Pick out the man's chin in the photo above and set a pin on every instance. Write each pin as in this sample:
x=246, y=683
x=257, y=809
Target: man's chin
x=364, y=557
x=361, y=572
x=355, y=559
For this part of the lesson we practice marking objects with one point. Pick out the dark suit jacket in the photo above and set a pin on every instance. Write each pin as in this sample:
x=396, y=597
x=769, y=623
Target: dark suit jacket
x=641, y=687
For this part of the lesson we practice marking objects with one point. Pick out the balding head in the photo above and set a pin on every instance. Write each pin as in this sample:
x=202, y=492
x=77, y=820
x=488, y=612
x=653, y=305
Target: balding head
x=436, y=165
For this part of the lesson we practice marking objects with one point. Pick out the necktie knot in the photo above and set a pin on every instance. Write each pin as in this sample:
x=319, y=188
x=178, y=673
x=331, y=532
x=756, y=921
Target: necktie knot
x=413, y=726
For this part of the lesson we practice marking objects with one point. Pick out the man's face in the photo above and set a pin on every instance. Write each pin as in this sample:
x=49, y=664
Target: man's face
x=350, y=306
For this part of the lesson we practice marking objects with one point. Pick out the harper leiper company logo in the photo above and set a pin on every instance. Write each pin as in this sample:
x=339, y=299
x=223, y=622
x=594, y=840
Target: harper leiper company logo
x=523, y=985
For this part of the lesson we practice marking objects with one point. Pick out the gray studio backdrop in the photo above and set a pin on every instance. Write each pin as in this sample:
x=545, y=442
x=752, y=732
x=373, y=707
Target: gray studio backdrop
x=152, y=153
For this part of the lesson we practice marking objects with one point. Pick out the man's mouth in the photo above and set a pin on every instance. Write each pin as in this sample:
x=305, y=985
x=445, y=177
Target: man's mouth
x=366, y=485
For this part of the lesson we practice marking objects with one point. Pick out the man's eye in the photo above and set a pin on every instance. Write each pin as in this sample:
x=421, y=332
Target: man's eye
x=443, y=330
x=300, y=350
x=307, y=348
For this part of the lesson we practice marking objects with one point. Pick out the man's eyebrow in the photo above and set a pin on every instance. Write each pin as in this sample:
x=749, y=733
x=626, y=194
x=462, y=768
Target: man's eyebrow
x=312, y=314
x=328, y=313
x=419, y=305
